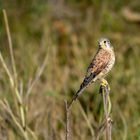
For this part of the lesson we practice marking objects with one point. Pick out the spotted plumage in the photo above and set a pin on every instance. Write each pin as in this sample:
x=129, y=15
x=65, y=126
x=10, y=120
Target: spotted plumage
x=100, y=65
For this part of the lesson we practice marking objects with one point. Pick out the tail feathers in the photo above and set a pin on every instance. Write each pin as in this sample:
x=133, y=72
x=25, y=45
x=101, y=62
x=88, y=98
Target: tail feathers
x=74, y=98
x=84, y=85
x=78, y=93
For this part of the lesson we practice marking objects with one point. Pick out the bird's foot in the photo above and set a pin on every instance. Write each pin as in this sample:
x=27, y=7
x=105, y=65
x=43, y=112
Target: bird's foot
x=104, y=86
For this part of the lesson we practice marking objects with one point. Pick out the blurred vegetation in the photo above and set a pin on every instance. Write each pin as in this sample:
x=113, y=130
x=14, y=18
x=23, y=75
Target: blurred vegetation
x=67, y=32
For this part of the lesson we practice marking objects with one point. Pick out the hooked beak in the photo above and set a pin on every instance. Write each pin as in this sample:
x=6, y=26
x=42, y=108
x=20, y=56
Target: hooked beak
x=101, y=45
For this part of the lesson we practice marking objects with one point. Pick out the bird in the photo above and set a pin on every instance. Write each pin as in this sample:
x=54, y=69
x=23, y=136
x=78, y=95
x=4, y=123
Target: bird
x=100, y=66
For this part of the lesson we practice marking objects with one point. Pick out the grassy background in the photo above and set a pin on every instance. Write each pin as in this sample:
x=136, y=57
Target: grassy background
x=67, y=32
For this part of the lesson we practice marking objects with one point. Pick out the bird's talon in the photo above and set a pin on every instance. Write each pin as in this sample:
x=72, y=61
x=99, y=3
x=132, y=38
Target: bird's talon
x=104, y=85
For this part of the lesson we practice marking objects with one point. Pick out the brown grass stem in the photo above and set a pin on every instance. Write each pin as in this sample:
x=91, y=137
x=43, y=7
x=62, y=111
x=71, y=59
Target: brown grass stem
x=87, y=120
x=7, y=107
x=13, y=79
x=107, y=121
x=10, y=45
x=67, y=114
x=38, y=74
x=107, y=107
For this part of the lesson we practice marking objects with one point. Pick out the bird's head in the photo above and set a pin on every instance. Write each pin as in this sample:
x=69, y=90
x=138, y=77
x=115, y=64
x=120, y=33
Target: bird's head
x=104, y=43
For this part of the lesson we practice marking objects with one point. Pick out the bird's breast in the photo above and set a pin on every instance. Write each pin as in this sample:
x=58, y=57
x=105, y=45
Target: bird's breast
x=110, y=63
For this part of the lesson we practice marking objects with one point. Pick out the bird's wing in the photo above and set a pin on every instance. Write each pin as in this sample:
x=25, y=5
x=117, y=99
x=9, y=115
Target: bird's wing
x=98, y=64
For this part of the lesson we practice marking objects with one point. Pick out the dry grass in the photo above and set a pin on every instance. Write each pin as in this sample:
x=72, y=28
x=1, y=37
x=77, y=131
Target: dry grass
x=44, y=54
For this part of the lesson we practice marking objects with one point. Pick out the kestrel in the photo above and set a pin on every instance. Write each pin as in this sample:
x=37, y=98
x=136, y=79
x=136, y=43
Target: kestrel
x=100, y=65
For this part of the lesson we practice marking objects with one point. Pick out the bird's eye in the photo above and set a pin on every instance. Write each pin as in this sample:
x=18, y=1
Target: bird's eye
x=104, y=41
